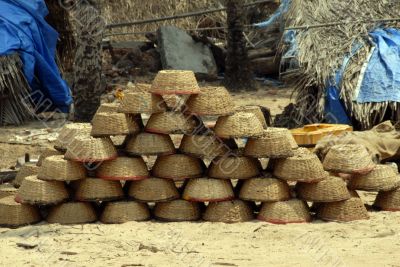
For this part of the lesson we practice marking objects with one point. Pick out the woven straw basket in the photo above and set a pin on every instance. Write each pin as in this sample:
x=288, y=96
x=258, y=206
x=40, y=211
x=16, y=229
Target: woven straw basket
x=56, y=168
x=238, y=125
x=388, y=201
x=48, y=153
x=69, y=132
x=234, y=167
x=26, y=170
x=7, y=190
x=108, y=108
x=212, y=101
x=352, y=159
x=13, y=214
x=285, y=212
x=142, y=102
x=175, y=82
x=208, y=190
x=304, y=166
x=382, y=178
x=150, y=144
x=232, y=211
x=72, y=213
x=178, y=166
x=95, y=189
x=106, y=124
x=332, y=189
x=343, y=211
x=177, y=211
x=123, y=168
x=125, y=211
x=171, y=123
x=262, y=189
x=274, y=143
x=89, y=149
x=204, y=146
x=38, y=192
x=256, y=110
x=153, y=190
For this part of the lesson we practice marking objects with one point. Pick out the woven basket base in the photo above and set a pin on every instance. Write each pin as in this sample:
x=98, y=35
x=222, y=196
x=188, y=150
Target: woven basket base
x=261, y=218
x=133, y=178
x=37, y=203
x=156, y=131
x=155, y=201
x=150, y=154
x=359, y=172
x=176, y=220
x=210, y=115
x=95, y=160
x=209, y=199
x=156, y=92
x=263, y=200
x=182, y=178
x=99, y=199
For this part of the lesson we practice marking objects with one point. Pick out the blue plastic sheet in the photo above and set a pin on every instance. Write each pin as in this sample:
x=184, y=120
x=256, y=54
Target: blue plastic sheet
x=283, y=8
x=382, y=77
x=24, y=30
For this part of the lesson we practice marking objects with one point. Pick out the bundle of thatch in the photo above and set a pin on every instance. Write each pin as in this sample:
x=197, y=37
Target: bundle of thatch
x=15, y=100
x=321, y=51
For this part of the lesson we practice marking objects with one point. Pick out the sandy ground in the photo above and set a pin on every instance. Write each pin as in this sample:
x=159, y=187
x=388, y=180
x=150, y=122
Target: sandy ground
x=375, y=242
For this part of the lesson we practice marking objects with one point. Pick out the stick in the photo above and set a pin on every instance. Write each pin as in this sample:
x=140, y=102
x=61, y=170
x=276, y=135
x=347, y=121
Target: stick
x=179, y=16
x=306, y=27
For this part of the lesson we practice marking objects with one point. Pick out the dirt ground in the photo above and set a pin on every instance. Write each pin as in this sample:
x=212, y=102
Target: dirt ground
x=374, y=242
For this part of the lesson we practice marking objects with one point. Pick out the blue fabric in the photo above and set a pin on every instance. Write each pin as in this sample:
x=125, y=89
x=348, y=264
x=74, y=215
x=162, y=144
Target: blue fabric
x=24, y=30
x=382, y=77
x=283, y=8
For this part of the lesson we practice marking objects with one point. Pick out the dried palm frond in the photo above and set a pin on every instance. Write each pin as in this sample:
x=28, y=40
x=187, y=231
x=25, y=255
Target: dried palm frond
x=321, y=52
x=15, y=104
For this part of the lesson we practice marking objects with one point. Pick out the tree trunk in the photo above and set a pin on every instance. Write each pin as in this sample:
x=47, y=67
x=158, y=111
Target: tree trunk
x=238, y=74
x=87, y=88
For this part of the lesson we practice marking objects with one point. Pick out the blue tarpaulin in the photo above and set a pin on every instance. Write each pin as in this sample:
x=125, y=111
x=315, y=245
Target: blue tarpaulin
x=381, y=80
x=23, y=30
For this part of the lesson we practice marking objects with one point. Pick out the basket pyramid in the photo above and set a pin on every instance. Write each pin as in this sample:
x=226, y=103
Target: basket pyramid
x=132, y=168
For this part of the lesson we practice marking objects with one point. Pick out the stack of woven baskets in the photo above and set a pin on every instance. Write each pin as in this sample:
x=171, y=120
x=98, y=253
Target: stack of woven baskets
x=119, y=169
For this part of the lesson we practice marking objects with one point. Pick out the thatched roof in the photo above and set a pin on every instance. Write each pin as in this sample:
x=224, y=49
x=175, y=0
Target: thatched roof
x=321, y=51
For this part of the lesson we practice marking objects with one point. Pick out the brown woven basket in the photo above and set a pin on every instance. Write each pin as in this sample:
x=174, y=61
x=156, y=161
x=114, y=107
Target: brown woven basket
x=204, y=146
x=274, y=143
x=149, y=144
x=95, y=189
x=177, y=211
x=48, y=153
x=352, y=209
x=208, y=190
x=238, y=125
x=234, y=167
x=256, y=110
x=382, y=178
x=171, y=123
x=388, y=201
x=351, y=158
x=89, y=149
x=13, y=214
x=28, y=169
x=69, y=132
x=212, y=101
x=232, y=211
x=56, y=168
x=153, y=190
x=108, y=108
x=7, y=190
x=142, y=102
x=175, y=82
x=125, y=211
x=72, y=213
x=106, y=124
x=332, y=189
x=123, y=168
x=285, y=212
x=178, y=166
x=263, y=189
x=38, y=192
x=304, y=166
